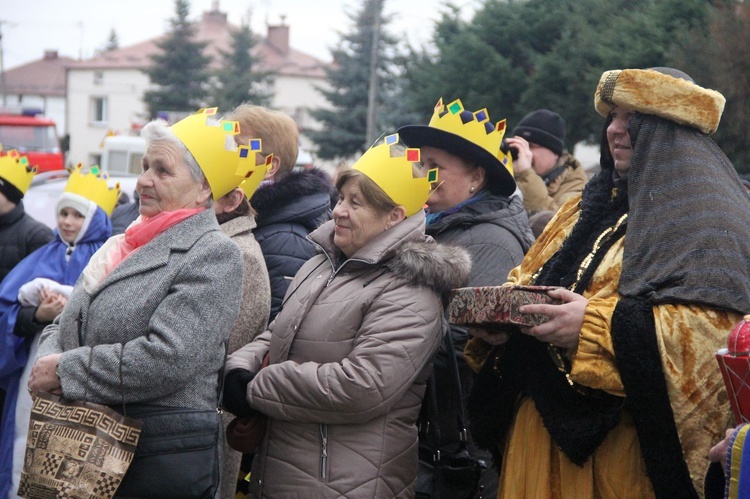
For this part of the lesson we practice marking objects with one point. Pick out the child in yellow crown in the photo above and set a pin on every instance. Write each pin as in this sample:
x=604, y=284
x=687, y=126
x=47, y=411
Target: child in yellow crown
x=35, y=292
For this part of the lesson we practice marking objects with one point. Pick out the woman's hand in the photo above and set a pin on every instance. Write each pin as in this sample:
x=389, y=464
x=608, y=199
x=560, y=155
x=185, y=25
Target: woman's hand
x=235, y=392
x=718, y=453
x=51, y=305
x=43, y=375
x=565, y=321
x=524, y=157
x=494, y=338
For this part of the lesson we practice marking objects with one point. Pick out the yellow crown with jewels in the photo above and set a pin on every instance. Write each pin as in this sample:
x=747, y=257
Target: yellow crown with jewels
x=390, y=164
x=472, y=126
x=92, y=184
x=255, y=176
x=15, y=169
x=212, y=144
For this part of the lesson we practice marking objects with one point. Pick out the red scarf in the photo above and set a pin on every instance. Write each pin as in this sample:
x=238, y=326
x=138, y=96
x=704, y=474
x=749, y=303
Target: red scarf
x=119, y=247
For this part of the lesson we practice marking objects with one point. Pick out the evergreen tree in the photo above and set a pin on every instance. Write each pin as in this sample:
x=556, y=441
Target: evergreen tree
x=239, y=81
x=344, y=122
x=515, y=56
x=180, y=69
x=465, y=67
x=719, y=58
x=113, y=42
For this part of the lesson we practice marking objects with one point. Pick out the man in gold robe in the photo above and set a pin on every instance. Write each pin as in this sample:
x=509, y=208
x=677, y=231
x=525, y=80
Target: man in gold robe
x=619, y=394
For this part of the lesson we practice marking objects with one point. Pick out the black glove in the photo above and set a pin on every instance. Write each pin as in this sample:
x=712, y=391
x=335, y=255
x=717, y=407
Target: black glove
x=235, y=392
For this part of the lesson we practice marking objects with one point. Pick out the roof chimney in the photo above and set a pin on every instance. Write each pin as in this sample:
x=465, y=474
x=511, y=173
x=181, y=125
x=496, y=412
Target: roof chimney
x=215, y=17
x=278, y=37
x=50, y=55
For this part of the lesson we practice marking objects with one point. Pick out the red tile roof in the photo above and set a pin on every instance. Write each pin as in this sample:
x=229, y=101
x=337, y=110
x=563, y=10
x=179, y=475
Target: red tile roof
x=43, y=77
x=215, y=30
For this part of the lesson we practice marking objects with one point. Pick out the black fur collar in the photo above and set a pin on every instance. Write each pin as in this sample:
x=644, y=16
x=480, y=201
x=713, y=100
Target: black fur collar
x=270, y=198
x=577, y=422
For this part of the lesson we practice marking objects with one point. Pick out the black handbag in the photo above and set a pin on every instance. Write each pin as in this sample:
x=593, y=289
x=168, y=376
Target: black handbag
x=178, y=452
x=177, y=455
x=445, y=475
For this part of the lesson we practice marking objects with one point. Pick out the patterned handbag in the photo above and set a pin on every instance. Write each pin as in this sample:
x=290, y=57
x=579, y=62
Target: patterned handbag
x=76, y=449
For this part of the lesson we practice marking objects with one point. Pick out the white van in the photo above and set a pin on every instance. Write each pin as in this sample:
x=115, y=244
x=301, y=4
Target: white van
x=122, y=154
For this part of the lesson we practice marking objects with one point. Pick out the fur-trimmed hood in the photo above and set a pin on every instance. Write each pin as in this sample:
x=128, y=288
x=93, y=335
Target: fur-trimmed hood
x=441, y=267
x=305, y=197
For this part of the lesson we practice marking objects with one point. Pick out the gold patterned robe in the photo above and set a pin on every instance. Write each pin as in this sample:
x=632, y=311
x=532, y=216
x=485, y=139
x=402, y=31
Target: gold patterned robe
x=687, y=335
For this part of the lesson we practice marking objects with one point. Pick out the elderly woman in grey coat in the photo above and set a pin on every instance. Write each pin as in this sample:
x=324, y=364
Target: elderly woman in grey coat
x=350, y=350
x=148, y=321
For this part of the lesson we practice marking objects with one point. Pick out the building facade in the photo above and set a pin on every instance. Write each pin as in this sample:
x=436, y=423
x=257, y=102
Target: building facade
x=105, y=93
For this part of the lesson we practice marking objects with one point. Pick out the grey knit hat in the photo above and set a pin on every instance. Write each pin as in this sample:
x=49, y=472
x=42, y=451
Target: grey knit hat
x=543, y=127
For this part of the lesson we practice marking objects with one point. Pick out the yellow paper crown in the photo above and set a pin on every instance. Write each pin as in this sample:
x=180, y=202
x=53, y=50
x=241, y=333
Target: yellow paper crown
x=507, y=160
x=474, y=127
x=224, y=163
x=91, y=183
x=392, y=169
x=255, y=176
x=15, y=169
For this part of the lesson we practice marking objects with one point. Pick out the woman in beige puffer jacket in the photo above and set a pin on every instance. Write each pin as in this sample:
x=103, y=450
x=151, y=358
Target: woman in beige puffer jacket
x=350, y=353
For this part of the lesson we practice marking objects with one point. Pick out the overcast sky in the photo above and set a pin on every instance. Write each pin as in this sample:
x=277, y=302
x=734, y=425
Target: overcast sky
x=77, y=28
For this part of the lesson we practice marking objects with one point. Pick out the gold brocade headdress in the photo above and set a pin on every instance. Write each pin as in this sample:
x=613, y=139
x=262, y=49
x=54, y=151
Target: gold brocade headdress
x=650, y=91
x=391, y=166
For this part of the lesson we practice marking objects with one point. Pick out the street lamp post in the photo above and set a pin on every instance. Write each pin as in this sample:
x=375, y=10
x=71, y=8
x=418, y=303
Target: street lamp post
x=373, y=90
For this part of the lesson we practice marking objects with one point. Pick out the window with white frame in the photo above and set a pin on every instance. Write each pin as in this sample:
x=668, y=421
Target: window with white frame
x=99, y=110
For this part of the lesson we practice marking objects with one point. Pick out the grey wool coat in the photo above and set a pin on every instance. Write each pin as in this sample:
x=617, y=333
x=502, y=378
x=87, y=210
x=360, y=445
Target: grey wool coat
x=251, y=321
x=350, y=353
x=154, y=330
x=256, y=289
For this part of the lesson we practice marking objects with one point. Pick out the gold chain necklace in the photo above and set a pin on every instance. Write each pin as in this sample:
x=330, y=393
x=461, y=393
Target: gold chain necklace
x=603, y=238
x=563, y=363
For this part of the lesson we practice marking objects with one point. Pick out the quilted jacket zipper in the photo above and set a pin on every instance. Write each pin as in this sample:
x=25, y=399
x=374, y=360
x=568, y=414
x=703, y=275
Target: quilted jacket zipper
x=323, y=451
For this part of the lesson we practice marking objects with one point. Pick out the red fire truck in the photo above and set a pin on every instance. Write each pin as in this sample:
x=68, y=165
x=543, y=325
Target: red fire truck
x=34, y=136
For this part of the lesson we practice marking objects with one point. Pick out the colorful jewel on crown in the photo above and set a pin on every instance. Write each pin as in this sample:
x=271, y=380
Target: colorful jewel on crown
x=92, y=184
x=255, y=176
x=391, y=168
x=15, y=169
x=474, y=127
x=212, y=144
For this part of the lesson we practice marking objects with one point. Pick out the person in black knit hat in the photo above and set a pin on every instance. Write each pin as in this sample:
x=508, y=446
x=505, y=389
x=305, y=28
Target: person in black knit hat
x=545, y=172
